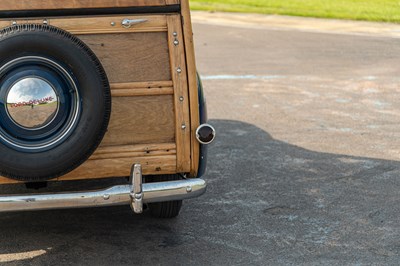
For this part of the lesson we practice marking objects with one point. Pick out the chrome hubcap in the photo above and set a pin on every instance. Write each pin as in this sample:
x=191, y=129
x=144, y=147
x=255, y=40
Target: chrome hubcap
x=32, y=103
x=40, y=104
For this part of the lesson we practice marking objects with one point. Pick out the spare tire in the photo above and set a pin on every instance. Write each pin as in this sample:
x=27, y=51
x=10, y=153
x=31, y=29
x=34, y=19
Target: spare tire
x=55, y=102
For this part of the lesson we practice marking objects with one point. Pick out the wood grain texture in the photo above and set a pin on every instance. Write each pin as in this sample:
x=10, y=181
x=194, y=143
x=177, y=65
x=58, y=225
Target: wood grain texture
x=148, y=114
x=5, y=180
x=117, y=167
x=71, y=4
x=173, y=2
x=142, y=89
x=192, y=80
x=181, y=98
x=134, y=57
x=146, y=149
x=130, y=151
x=93, y=25
x=113, y=161
x=141, y=120
x=98, y=24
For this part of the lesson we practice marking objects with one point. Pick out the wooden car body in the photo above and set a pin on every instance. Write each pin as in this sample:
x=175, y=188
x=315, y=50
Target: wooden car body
x=115, y=94
x=151, y=69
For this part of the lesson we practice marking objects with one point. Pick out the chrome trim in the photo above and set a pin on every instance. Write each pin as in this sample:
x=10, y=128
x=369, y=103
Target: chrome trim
x=54, y=114
x=198, y=135
x=76, y=93
x=113, y=196
x=127, y=23
x=136, y=189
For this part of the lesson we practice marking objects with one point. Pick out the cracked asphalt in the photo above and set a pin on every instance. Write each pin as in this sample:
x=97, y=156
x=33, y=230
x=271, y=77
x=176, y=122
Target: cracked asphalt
x=304, y=171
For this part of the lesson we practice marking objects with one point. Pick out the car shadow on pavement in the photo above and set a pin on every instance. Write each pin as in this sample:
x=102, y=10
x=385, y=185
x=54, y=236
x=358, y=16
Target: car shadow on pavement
x=268, y=202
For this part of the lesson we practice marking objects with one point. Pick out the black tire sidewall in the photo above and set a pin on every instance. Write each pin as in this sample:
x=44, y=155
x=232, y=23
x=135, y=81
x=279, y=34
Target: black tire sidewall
x=94, y=91
x=166, y=209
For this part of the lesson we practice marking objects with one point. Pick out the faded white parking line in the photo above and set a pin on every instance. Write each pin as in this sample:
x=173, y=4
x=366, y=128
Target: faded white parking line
x=10, y=257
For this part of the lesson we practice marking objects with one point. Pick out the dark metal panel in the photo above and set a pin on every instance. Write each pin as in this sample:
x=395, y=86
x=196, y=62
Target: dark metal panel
x=203, y=119
x=90, y=11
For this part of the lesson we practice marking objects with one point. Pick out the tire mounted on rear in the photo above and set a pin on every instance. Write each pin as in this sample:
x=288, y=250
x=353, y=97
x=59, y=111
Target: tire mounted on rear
x=55, y=102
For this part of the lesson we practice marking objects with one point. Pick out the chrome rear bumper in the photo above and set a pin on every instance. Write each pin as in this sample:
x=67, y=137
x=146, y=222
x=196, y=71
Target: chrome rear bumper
x=135, y=194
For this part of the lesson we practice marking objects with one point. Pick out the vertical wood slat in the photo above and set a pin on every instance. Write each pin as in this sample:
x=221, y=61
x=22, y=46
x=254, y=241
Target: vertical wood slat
x=181, y=95
x=192, y=81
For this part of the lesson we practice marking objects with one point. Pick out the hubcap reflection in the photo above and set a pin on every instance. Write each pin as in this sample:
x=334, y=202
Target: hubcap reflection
x=32, y=103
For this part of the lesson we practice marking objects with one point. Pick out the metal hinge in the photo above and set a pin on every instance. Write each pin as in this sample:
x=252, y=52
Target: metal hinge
x=127, y=23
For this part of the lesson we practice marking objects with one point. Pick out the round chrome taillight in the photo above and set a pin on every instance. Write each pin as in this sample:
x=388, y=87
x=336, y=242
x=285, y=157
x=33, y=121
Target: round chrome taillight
x=205, y=134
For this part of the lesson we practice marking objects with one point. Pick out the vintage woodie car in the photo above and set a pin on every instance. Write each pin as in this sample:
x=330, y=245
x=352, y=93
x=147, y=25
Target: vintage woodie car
x=101, y=89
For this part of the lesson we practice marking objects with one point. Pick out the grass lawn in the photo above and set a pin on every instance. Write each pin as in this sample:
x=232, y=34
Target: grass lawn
x=371, y=10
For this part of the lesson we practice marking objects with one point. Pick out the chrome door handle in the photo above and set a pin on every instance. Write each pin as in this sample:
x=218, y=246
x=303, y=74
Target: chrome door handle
x=127, y=23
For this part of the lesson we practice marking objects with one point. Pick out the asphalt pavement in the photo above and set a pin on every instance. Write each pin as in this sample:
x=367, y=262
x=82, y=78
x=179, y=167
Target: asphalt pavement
x=305, y=169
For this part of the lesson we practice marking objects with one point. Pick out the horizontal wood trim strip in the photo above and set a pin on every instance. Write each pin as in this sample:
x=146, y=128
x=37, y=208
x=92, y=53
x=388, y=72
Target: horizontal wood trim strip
x=117, y=167
x=140, y=85
x=142, y=89
x=119, y=157
x=104, y=24
x=135, y=148
x=142, y=92
x=115, y=30
x=130, y=151
x=5, y=180
x=132, y=154
x=100, y=25
x=173, y=2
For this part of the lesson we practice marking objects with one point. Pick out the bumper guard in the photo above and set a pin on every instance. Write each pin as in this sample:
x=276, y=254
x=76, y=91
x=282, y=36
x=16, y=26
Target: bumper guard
x=135, y=194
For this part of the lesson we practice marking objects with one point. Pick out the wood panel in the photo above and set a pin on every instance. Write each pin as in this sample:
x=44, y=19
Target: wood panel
x=181, y=98
x=192, y=79
x=135, y=57
x=139, y=120
x=71, y=4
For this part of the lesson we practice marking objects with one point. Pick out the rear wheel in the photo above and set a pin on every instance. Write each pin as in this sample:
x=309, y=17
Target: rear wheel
x=167, y=209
